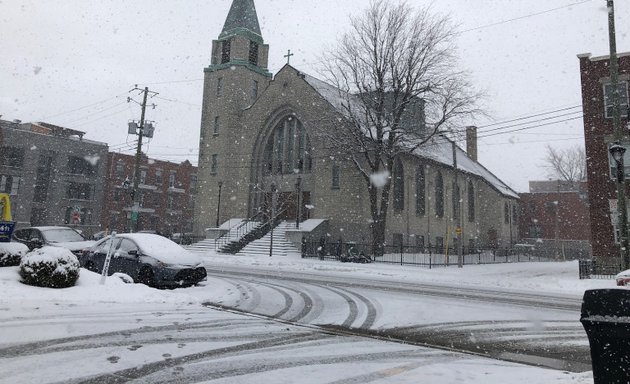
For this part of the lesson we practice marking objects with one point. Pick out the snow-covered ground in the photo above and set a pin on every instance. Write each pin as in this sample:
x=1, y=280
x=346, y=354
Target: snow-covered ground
x=32, y=314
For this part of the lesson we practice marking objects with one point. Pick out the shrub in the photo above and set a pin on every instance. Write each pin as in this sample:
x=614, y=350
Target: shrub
x=11, y=254
x=51, y=267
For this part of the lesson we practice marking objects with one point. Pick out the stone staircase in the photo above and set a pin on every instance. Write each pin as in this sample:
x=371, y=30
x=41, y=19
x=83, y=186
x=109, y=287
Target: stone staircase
x=281, y=246
x=203, y=246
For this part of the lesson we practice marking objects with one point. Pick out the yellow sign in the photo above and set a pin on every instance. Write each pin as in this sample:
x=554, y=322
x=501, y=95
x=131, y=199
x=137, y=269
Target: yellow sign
x=458, y=230
x=5, y=204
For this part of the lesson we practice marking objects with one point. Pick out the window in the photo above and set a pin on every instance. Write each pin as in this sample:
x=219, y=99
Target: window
x=254, y=91
x=226, y=48
x=38, y=217
x=397, y=241
x=506, y=213
x=399, y=187
x=439, y=195
x=335, y=177
x=623, y=99
x=120, y=169
x=143, y=176
x=214, y=163
x=80, y=166
x=439, y=244
x=287, y=149
x=113, y=222
x=169, y=202
x=173, y=175
x=471, y=202
x=514, y=214
x=419, y=243
x=215, y=129
x=158, y=176
x=11, y=156
x=9, y=184
x=193, y=183
x=219, y=87
x=125, y=246
x=42, y=181
x=420, y=192
x=80, y=191
x=253, y=53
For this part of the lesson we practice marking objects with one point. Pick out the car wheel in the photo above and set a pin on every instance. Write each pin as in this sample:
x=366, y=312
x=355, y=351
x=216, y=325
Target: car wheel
x=90, y=266
x=146, y=276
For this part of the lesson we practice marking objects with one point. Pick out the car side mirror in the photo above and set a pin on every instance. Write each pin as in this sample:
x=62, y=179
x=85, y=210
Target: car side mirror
x=133, y=252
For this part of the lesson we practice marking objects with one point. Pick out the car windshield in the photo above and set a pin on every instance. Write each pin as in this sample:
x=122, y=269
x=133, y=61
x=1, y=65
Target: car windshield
x=62, y=235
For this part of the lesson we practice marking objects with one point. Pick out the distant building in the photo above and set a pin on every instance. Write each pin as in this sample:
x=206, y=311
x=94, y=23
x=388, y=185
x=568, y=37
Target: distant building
x=598, y=135
x=555, y=218
x=166, y=195
x=53, y=174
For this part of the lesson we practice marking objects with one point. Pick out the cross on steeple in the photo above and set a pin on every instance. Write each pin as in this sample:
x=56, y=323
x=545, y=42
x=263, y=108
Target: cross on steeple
x=288, y=56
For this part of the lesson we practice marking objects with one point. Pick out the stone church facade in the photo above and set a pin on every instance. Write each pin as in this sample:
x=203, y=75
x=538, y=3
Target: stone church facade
x=259, y=133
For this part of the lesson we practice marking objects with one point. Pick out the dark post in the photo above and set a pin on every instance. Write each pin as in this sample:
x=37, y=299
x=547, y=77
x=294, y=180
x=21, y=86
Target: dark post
x=135, y=211
x=219, y=204
x=273, y=216
x=298, y=210
x=617, y=152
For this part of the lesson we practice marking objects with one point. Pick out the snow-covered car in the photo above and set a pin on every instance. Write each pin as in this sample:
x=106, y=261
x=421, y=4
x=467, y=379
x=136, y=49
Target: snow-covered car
x=147, y=258
x=623, y=278
x=66, y=237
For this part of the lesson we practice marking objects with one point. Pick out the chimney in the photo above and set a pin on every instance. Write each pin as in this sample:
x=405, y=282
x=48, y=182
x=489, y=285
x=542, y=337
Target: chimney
x=471, y=142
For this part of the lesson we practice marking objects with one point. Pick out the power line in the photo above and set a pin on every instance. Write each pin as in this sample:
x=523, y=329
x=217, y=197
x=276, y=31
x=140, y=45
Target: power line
x=524, y=17
x=80, y=108
x=525, y=117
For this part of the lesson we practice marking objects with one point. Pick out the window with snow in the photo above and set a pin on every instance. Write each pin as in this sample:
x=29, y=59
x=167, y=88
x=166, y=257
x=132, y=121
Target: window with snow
x=471, y=202
x=399, y=187
x=420, y=192
x=439, y=195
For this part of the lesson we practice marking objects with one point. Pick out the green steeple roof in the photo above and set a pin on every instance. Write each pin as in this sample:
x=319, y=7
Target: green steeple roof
x=242, y=19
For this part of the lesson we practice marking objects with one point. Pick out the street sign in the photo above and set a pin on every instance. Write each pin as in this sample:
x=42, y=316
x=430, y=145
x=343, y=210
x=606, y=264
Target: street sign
x=6, y=229
x=108, y=258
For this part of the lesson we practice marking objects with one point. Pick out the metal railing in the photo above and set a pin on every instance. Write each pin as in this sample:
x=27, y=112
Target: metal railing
x=420, y=256
x=595, y=269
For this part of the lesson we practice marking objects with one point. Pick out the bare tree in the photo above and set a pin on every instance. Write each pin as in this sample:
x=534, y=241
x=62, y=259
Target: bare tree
x=567, y=164
x=396, y=73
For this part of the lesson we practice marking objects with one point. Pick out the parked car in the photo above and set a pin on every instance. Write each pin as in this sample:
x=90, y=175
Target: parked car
x=147, y=258
x=37, y=237
x=623, y=278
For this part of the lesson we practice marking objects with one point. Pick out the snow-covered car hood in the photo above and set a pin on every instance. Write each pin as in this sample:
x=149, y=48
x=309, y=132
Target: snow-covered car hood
x=625, y=273
x=75, y=245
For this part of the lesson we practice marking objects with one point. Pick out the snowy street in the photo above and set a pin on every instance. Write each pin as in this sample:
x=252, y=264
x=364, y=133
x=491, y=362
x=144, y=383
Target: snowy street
x=131, y=333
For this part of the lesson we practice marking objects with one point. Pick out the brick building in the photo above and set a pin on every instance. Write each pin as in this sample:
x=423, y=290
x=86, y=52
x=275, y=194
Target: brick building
x=166, y=195
x=555, y=218
x=53, y=175
x=598, y=135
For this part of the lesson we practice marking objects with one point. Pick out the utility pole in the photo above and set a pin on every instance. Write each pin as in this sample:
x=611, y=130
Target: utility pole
x=135, y=195
x=618, y=135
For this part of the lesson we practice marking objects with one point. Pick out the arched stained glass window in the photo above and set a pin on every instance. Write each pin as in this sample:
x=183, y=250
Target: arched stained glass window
x=287, y=149
x=471, y=202
x=439, y=195
x=420, y=192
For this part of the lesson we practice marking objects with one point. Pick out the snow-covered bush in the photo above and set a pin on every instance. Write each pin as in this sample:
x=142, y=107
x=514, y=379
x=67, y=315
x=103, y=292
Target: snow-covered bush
x=11, y=254
x=52, y=267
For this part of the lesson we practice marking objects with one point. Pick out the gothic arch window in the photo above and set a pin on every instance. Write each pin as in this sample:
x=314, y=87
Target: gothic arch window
x=288, y=149
x=420, y=191
x=471, y=202
x=439, y=195
x=399, y=187
x=506, y=213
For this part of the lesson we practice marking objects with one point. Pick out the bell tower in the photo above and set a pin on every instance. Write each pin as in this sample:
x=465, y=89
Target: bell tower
x=232, y=82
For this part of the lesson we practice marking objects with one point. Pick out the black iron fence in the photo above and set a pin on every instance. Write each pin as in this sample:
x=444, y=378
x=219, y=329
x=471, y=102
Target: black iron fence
x=420, y=256
x=595, y=269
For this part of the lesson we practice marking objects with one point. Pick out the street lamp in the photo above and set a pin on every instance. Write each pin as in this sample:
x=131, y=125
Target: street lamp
x=219, y=203
x=617, y=152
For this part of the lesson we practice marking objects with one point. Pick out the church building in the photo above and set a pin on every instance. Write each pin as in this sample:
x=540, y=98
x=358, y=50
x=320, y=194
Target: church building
x=260, y=151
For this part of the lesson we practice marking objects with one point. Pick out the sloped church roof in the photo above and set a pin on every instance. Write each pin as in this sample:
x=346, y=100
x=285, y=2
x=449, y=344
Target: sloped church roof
x=438, y=149
x=242, y=17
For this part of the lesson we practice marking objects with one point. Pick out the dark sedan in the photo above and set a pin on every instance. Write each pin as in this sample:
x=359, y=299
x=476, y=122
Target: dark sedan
x=66, y=237
x=147, y=258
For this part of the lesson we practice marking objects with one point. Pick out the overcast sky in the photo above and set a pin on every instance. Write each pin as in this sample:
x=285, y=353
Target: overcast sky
x=72, y=63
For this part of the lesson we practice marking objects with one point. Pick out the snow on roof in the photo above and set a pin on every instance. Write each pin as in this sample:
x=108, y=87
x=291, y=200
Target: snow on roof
x=438, y=150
